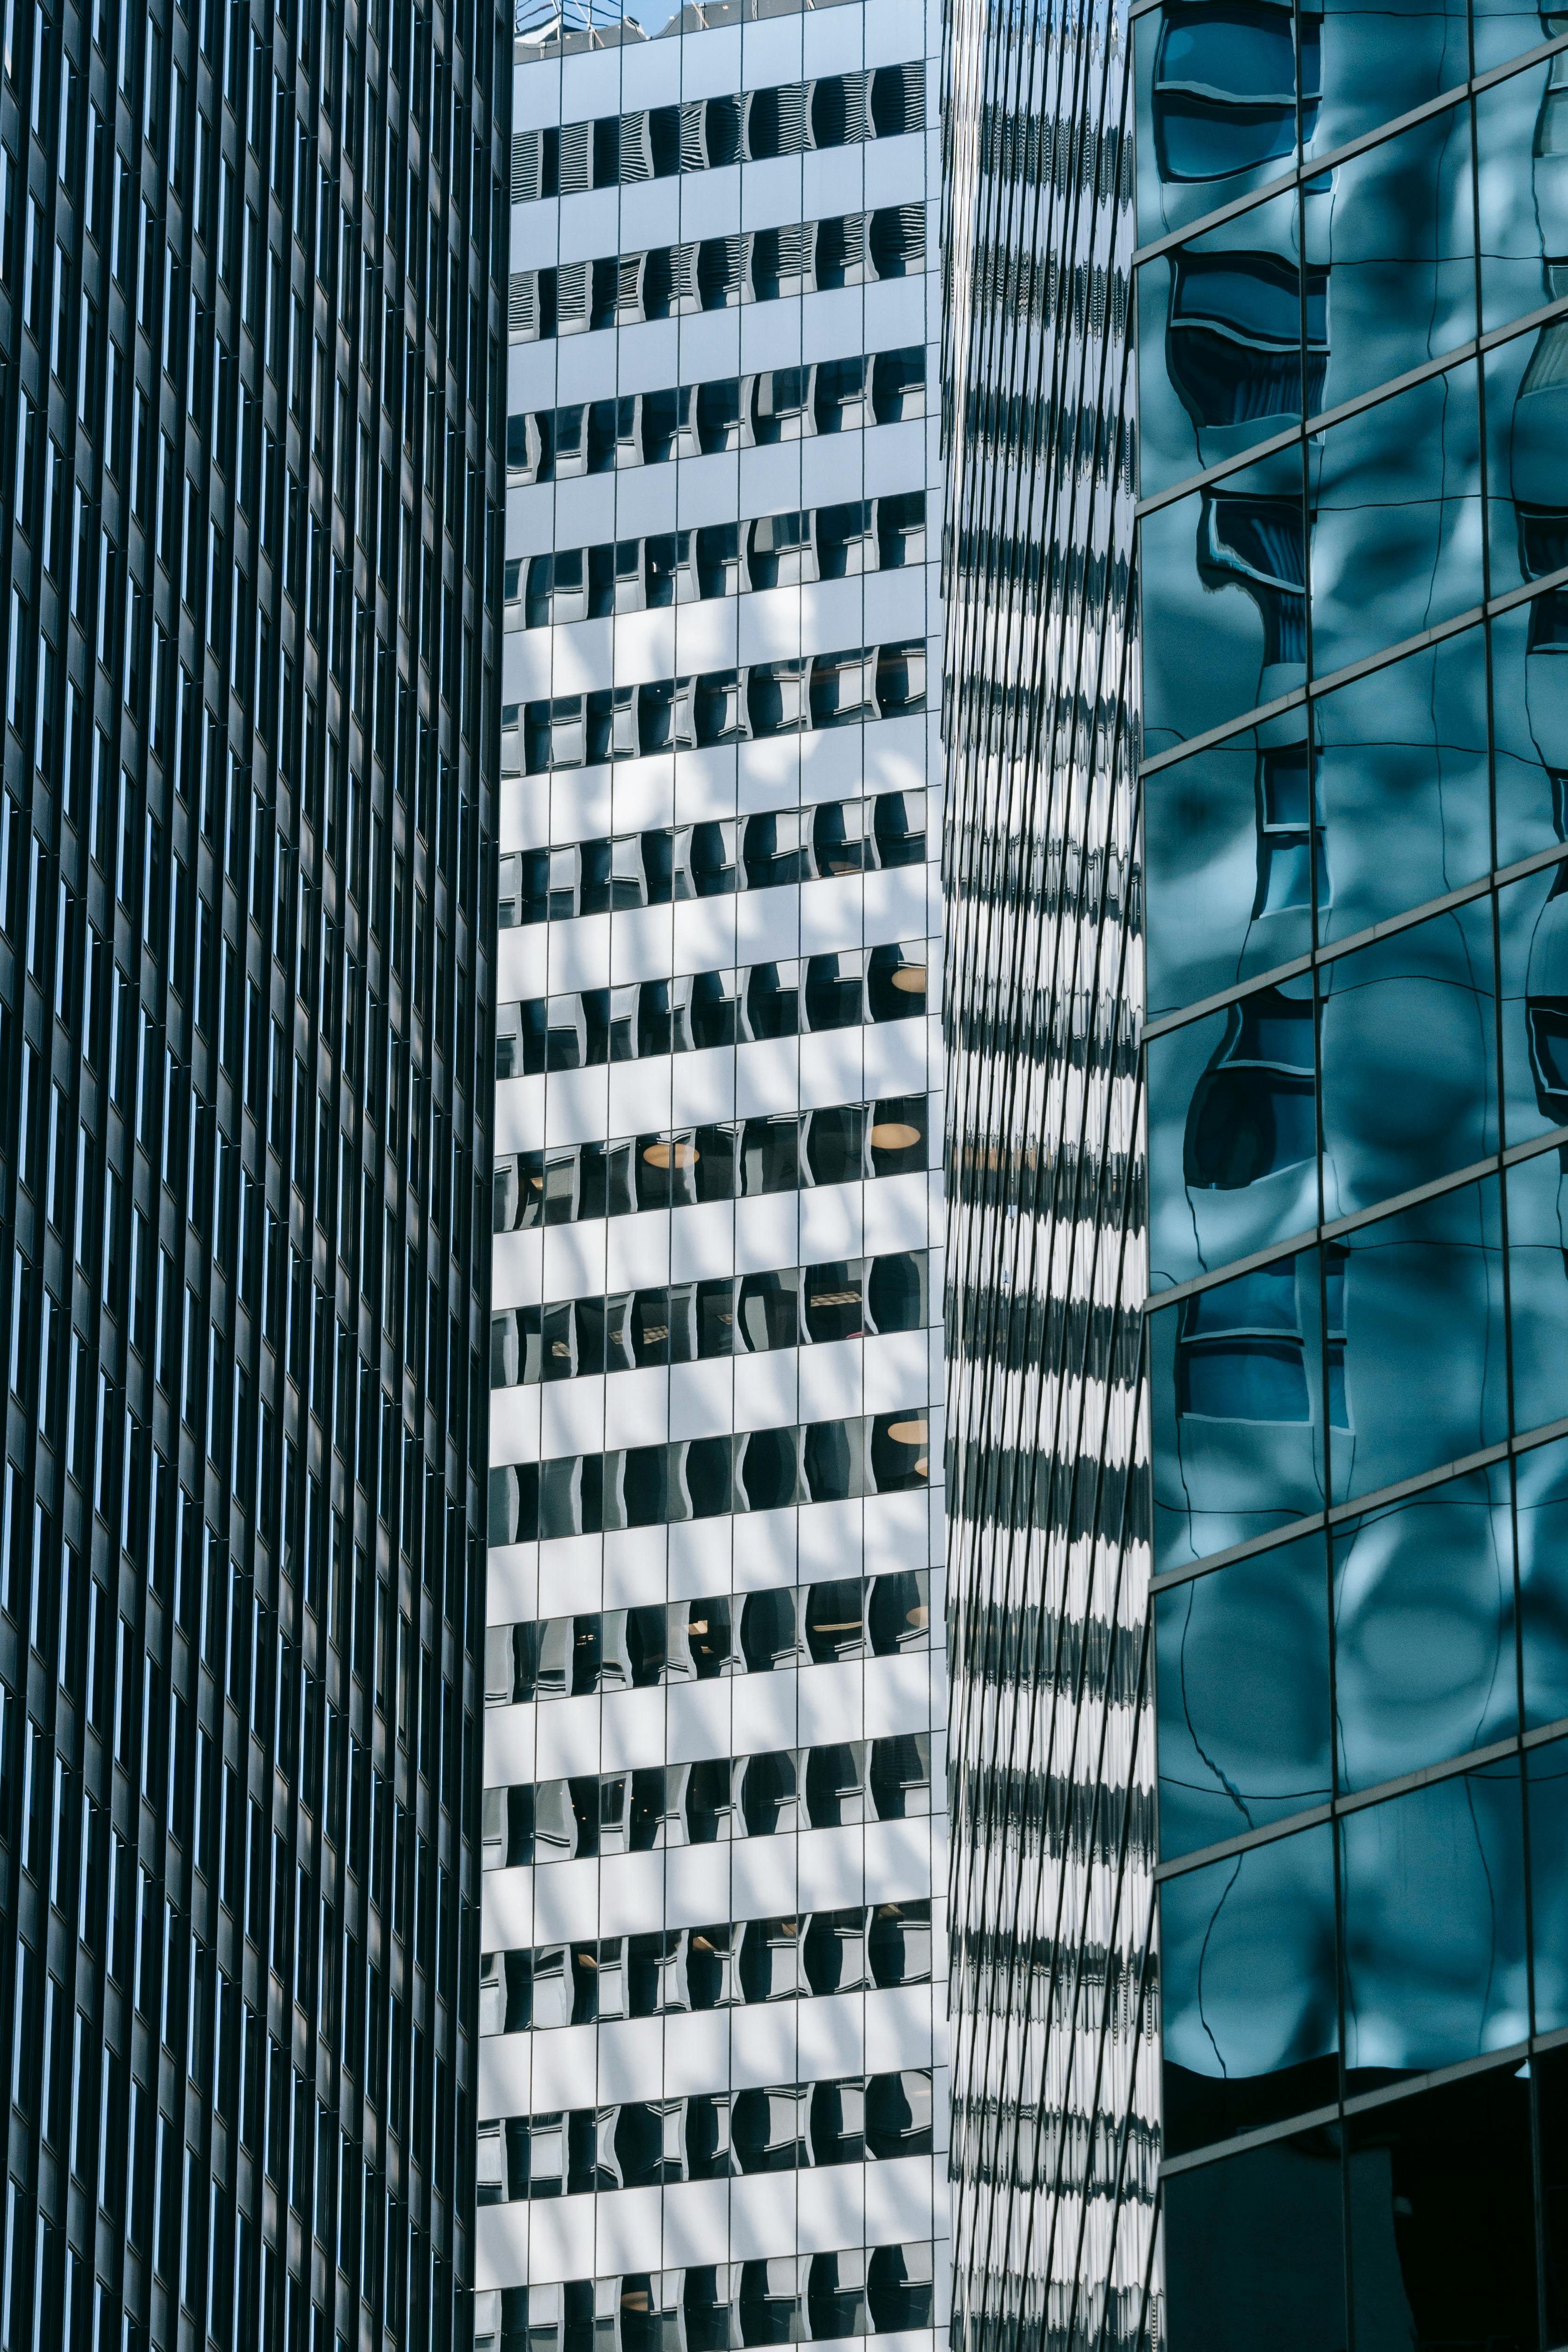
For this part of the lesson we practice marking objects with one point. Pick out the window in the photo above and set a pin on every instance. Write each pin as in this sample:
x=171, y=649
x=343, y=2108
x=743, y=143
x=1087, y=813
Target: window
x=1285, y=828
x=1234, y=339
x=781, y=407
x=1239, y=1352
x=1260, y=545
x=1225, y=87
x=1255, y=1108
x=898, y=385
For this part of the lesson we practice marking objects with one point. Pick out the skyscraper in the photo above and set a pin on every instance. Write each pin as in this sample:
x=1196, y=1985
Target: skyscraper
x=251, y=314
x=713, y=1938
x=1260, y=737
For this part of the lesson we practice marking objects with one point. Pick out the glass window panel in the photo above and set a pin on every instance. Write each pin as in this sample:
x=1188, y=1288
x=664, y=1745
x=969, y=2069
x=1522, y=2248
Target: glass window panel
x=1221, y=339
x=1529, y=715
x=1243, y=1686
x=1226, y=568
x=1522, y=219
x=1434, y=1927
x=1541, y=1504
x=1377, y=64
x=1408, y=1047
x=1538, y=1287
x=900, y=2286
x=1402, y=788
x=1532, y=919
x=1255, y=2249
x=1423, y=1629
x=1219, y=82
x=1227, y=839
x=1442, y=2215
x=1395, y=543
x=1527, y=462
x=1424, y=1378
x=1250, y=2003
x=1232, y=1133
x=1238, y=1386
x=1392, y=231
x=898, y=385
x=833, y=1300
x=1546, y=1771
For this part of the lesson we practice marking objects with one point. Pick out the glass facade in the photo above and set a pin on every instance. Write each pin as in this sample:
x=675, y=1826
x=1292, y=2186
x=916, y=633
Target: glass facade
x=1353, y=317
x=712, y=2099
x=1311, y=1536
x=1053, y=1991
x=252, y=405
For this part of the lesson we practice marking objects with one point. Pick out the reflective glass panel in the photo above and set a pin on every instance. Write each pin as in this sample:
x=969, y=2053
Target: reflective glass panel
x=1523, y=213
x=1237, y=1390
x=1255, y=2249
x=1540, y=1507
x=1422, y=1324
x=1397, y=538
x=1251, y=2010
x=1538, y=1287
x=1434, y=1927
x=1391, y=233
x=1424, y=1612
x=1243, y=1683
x=1409, y=1050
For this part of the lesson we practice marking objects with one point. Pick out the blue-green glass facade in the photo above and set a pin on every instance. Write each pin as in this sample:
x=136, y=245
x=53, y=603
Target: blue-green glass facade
x=1256, y=722
x=1351, y=326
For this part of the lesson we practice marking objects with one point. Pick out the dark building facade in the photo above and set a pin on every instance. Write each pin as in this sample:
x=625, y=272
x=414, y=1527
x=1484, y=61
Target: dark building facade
x=252, y=400
x=1258, y=729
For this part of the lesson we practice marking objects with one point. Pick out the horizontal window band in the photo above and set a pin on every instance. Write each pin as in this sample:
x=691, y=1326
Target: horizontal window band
x=707, y=1320
x=1363, y=2103
x=654, y=1808
x=1381, y=1499
x=1333, y=949
x=762, y=700
x=716, y=273
x=1312, y=167
x=660, y=143
x=1554, y=1139
x=733, y=1160
x=541, y=30
x=662, y=1643
x=716, y=857
x=723, y=412
x=1360, y=1801
x=777, y=2299
x=682, y=1971
x=699, y=1012
x=705, y=564
x=1380, y=395
x=645, y=2143
x=1330, y=683
x=723, y=1476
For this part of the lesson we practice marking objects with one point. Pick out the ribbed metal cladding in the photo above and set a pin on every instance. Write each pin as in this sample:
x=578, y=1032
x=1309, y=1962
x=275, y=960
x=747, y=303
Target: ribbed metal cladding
x=1053, y=1990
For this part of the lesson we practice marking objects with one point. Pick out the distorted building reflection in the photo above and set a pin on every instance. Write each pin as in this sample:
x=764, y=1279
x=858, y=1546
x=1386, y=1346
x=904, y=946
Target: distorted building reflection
x=1357, y=1086
x=1256, y=728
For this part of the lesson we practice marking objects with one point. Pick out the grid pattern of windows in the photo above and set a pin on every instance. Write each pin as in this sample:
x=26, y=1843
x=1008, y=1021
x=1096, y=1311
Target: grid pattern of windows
x=713, y=1772
x=252, y=405
x=713, y=1966
x=862, y=2290
x=715, y=273
x=1356, y=1122
x=650, y=428
x=728, y=1315
x=749, y=126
